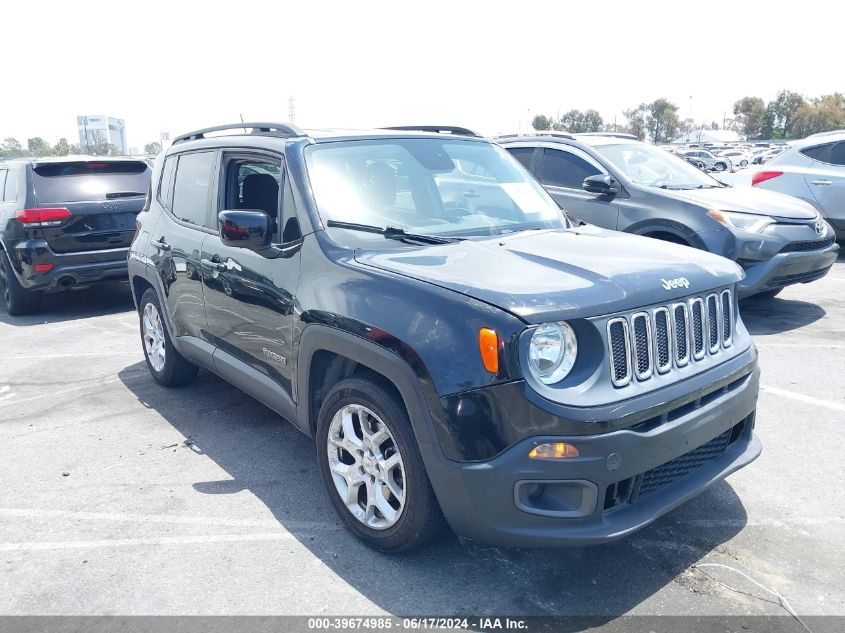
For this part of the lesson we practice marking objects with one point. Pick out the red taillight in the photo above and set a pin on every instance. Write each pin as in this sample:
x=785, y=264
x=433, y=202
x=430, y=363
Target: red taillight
x=43, y=217
x=763, y=176
x=43, y=268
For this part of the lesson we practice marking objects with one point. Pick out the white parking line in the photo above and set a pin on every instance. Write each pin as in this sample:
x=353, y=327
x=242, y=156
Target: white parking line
x=79, y=355
x=800, y=397
x=29, y=546
x=144, y=518
x=77, y=389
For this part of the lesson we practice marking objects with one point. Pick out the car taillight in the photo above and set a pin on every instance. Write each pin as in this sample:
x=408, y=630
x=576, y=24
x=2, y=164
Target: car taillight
x=137, y=230
x=43, y=217
x=763, y=176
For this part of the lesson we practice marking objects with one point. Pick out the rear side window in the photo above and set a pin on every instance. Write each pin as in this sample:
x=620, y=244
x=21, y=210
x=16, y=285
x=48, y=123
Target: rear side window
x=523, y=155
x=837, y=154
x=192, y=188
x=2, y=183
x=165, y=186
x=563, y=169
x=81, y=181
x=818, y=152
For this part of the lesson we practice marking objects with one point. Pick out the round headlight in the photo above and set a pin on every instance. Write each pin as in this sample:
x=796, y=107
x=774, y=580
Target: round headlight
x=552, y=352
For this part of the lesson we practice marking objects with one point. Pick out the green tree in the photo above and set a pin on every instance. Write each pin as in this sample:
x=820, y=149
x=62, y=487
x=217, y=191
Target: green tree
x=62, y=148
x=11, y=148
x=637, y=120
x=779, y=119
x=39, y=147
x=662, y=121
x=541, y=122
x=749, y=112
x=592, y=121
x=686, y=126
x=822, y=114
x=152, y=148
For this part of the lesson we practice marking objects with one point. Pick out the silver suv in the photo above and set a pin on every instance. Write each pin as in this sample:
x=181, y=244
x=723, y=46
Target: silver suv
x=814, y=170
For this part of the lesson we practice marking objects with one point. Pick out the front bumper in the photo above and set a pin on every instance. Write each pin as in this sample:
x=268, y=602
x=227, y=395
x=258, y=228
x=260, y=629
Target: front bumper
x=785, y=269
x=68, y=270
x=594, y=497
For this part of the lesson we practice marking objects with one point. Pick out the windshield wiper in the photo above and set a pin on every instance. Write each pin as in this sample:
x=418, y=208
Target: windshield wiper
x=392, y=233
x=124, y=194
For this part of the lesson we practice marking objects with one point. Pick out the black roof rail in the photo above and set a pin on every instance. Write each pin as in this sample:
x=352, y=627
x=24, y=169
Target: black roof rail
x=439, y=129
x=267, y=129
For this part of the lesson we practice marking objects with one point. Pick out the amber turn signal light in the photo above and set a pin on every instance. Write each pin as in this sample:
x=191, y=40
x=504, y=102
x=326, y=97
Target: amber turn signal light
x=488, y=344
x=553, y=450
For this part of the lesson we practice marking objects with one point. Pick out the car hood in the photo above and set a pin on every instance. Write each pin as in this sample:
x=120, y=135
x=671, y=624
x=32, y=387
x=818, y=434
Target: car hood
x=561, y=274
x=747, y=200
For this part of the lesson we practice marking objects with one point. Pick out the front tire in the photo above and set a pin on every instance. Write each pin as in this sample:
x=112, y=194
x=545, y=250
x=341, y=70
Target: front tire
x=167, y=366
x=372, y=467
x=16, y=299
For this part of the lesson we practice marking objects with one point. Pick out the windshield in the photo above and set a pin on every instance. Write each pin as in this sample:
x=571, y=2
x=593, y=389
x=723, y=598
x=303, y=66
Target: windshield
x=654, y=167
x=428, y=186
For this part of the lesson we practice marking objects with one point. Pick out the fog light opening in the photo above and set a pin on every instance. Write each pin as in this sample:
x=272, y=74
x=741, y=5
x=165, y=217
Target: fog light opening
x=534, y=491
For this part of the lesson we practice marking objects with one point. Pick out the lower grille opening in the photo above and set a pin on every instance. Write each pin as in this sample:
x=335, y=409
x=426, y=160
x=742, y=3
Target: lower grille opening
x=635, y=488
x=799, y=278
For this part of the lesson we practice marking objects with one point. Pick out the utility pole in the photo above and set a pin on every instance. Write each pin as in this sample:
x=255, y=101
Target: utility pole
x=291, y=109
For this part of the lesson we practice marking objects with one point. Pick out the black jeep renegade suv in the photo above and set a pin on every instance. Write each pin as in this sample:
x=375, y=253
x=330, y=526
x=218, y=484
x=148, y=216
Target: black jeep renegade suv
x=416, y=302
x=66, y=223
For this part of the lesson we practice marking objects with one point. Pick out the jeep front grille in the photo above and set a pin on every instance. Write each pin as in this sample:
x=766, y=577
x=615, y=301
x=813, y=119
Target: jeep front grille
x=662, y=342
x=658, y=339
x=620, y=350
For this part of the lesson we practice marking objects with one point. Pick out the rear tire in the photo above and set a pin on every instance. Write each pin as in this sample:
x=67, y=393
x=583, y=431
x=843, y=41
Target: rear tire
x=16, y=299
x=167, y=366
x=367, y=454
x=720, y=167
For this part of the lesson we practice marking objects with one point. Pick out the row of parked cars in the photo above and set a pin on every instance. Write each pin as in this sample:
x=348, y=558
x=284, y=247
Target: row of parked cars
x=461, y=350
x=727, y=157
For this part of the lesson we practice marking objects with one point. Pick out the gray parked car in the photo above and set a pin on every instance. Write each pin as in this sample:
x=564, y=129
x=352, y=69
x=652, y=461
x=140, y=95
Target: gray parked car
x=813, y=170
x=620, y=183
x=710, y=161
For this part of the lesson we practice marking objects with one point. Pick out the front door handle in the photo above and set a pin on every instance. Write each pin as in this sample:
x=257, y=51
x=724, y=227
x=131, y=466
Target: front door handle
x=821, y=182
x=218, y=266
x=161, y=245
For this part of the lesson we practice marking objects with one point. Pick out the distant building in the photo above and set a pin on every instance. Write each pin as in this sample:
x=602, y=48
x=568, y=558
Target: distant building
x=708, y=136
x=96, y=129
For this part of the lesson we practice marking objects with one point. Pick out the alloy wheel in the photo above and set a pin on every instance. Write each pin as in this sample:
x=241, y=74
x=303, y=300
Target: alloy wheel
x=153, y=335
x=366, y=466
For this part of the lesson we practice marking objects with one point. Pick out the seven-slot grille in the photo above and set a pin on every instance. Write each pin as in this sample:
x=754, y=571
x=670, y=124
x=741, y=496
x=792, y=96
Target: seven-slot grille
x=656, y=340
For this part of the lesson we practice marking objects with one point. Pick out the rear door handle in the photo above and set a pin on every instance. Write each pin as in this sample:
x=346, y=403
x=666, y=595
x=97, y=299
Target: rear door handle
x=219, y=266
x=161, y=245
x=821, y=182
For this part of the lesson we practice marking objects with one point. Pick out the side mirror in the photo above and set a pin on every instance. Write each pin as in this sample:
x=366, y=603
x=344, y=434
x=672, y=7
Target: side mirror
x=243, y=228
x=602, y=184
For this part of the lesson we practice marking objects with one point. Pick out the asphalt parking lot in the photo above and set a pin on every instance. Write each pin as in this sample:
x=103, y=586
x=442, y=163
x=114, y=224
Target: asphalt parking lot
x=121, y=497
